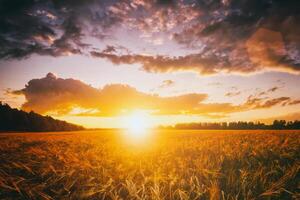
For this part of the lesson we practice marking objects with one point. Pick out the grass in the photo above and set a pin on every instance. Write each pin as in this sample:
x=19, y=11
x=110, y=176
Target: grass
x=170, y=165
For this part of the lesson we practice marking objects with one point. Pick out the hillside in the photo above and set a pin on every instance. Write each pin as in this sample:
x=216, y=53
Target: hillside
x=18, y=120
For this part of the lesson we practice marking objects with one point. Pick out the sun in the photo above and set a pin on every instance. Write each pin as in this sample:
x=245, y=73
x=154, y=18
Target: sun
x=137, y=124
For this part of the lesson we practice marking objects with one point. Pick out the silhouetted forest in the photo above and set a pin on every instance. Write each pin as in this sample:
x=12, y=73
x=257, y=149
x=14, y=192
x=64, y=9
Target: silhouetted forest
x=276, y=125
x=18, y=120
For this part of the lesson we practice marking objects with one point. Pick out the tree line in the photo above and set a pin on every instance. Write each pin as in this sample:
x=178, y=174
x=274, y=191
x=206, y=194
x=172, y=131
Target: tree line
x=18, y=120
x=240, y=125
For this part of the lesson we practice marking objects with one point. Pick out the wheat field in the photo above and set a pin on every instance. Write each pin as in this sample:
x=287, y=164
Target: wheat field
x=168, y=164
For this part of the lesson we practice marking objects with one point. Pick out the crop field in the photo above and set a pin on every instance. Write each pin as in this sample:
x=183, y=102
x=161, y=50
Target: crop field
x=168, y=164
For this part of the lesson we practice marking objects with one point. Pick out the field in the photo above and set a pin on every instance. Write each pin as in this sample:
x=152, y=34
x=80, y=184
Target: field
x=166, y=165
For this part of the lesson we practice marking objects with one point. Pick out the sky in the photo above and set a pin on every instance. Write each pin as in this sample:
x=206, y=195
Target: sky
x=95, y=62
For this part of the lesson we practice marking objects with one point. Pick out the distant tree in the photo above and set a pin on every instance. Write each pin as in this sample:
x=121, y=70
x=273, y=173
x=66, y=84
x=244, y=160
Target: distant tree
x=18, y=120
x=279, y=124
x=240, y=125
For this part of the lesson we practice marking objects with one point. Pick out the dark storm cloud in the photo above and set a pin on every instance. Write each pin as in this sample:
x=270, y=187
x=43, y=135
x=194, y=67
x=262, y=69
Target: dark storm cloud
x=162, y=64
x=250, y=34
x=240, y=36
x=49, y=27
x=19, y=27
x=57, y=27
x=166, y=2
x=231, y=36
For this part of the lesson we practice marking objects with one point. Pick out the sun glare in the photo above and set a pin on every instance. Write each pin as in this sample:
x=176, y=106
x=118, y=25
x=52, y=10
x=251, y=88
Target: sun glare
x=137, y=124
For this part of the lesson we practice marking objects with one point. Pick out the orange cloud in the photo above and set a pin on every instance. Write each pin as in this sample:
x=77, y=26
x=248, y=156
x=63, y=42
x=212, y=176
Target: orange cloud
x=266, y=49
x=61, y=96
x=55, y=95
x=260, y=103
x=295, y=102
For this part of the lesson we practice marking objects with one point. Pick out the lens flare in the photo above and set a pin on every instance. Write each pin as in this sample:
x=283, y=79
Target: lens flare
x=137, y=125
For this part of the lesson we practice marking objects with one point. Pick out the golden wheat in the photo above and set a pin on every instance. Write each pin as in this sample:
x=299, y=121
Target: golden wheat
x=169, y=165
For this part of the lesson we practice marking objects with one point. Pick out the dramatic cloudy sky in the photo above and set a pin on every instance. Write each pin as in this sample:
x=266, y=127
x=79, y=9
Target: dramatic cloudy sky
x=93, y=62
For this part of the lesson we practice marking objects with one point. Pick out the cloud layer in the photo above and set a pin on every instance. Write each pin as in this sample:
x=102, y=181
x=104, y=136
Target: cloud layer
x=229, y=36
x=60, y=96
x=52, y=94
